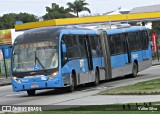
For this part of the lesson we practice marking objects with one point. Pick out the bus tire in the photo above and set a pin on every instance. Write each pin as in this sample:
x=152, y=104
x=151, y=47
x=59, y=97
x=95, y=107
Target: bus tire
x=31, y=92
x=96, y=78
x=134, y=70
x=71, y=88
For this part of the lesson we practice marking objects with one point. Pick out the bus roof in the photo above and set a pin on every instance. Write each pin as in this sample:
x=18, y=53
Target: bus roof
x=48, y=33
x=123, y=30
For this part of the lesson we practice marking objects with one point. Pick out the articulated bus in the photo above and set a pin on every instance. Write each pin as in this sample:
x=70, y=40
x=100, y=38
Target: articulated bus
x=56, y=57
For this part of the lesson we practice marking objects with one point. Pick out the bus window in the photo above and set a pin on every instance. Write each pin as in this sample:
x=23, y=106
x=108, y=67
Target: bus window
x=68, y=40
x=69, y=44
x=139, y=35
x=111, y=45
x=93, y=45
x=124, y=45
x=144, y=39
x=138, y=41
x=82, y=46
x=133, y=42
x=75, y=47
x=64, y=51
x=75, y=40
x=118, y=44
x=98, y=45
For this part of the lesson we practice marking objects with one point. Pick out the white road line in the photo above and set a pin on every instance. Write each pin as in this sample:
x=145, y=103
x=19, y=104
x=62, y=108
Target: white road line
x=16, y=94
x=95, y=88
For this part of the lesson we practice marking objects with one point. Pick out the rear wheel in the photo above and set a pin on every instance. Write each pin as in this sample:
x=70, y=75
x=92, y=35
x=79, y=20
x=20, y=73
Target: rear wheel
x=31, y=92
x=134, y=70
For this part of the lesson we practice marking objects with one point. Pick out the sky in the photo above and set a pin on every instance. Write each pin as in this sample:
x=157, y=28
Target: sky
x=37, y=7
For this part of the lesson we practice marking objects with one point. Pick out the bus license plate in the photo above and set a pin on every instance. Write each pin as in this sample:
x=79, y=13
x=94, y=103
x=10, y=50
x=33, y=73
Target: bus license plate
x=34, y=86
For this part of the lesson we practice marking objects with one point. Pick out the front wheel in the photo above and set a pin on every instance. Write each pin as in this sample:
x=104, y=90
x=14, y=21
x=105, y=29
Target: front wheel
x=31, y=92
x=71, y=88
x=134, y=70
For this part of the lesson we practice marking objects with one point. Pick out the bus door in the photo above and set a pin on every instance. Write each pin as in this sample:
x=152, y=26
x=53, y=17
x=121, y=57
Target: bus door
x=128, y=49
x=88, y=52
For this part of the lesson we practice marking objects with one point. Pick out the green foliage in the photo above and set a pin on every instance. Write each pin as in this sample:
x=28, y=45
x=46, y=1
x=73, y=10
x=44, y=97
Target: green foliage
x=55, y=12
x=7, y=21
x=78, y=6
x=25, y=17
x=156, y=27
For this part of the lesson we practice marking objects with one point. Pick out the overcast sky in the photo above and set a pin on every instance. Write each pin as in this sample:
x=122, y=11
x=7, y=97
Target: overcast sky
x=37, y=7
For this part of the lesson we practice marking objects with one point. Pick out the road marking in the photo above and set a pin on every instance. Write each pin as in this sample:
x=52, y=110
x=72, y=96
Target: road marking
x=96, y=88
x=16, y=94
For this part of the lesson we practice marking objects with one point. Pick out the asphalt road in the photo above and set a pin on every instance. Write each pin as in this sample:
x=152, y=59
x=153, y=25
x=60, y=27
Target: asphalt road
x=53, y=97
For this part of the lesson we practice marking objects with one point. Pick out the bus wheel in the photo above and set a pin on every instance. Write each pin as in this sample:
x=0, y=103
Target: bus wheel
x=71, y=88
x=96, y=78
x=134, y=70
x=31, y=92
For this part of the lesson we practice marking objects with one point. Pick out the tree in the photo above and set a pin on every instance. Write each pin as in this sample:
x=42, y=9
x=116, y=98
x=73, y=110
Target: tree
x=78, y=6
x=55, y=12
x=25, y=17
x=7, y=21
x=1, y=23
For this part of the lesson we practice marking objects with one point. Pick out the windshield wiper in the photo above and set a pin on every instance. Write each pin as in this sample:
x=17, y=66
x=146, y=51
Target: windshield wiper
x=36, y=58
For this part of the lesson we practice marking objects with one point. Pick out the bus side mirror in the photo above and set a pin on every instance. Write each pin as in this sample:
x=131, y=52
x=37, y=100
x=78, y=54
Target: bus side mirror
x=64, y=50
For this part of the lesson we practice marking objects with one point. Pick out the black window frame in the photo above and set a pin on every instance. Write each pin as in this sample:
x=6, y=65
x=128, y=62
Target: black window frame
x=111, y=45
x=144, y=39
x=122, y=45
x=95, y=47
x=132, y=45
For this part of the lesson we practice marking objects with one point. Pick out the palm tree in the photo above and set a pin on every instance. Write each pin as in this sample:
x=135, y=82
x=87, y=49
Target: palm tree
x=55, y=12
x=78, y=6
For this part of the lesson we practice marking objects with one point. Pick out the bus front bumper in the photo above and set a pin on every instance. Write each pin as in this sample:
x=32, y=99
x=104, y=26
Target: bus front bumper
x=18, y=86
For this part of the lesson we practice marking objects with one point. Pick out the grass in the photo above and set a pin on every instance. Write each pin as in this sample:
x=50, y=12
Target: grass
x=151, y=87
x=91, y=112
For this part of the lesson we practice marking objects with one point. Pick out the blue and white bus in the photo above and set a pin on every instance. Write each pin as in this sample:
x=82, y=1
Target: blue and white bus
x=56, y=57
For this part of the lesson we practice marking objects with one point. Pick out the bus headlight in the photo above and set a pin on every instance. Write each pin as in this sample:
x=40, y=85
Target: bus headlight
x=53, y=75
x=16, y=79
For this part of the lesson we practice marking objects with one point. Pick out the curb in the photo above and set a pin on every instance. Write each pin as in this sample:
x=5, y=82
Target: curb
x=5, y=84
x=5, y=81
x=155, y=64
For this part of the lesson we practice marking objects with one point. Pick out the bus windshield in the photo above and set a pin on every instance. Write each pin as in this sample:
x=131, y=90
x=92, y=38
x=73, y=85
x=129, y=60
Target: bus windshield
x=35, y=56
